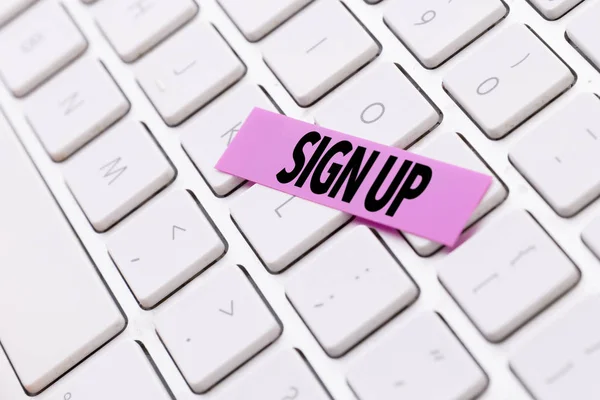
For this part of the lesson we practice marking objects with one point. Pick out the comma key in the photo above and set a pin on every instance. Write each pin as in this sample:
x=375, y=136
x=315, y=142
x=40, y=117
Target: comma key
x=163, y=245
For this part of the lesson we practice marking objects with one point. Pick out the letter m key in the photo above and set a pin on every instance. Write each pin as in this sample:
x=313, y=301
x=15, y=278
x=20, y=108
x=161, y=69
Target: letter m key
x=113, y=170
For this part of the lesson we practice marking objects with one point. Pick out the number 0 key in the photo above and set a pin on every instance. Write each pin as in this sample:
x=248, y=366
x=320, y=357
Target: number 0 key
x=508, y=80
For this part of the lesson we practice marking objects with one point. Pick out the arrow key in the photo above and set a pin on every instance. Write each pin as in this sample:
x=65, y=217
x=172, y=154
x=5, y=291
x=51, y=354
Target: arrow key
x=163, y=245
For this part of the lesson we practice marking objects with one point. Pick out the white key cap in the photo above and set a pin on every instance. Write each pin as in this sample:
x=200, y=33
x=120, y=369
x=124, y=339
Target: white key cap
x=36, y=45
x=563, y=361
x=55, y=309
x=116, y=173
x=561, y=158
x=10, y=8
x=216, y=326
x=554, y=9
x=583, y=31
x=591, y=236
x=382, y=105
x=317, y=50
x=430, y=30
x=422, y=360
x=206, y=135
x=281, y=228
x=454, y=149
x=506, y=274
x=188, y=71
x=74, y=107
x=10, y=387
x=135, y=26
x=508, y=80
x=348, y=288
x=119, y=371
x=283, y=375
x=163, y=245
x=256, y=18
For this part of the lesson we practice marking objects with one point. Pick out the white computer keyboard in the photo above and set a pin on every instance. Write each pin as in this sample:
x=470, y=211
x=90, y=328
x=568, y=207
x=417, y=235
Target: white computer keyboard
x=133, y=270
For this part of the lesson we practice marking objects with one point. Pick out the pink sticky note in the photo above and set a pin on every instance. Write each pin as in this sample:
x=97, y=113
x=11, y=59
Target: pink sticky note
x=383, y=184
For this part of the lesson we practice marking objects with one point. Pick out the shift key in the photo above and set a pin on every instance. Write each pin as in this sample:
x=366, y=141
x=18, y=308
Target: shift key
x=54, y=308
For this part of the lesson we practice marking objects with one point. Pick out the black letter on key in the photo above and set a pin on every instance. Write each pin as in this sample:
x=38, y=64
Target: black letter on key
x=407, y=191
x=353, y=174
x=313, y=161
x=371, y=202
x=316, y=185
x=286, y=177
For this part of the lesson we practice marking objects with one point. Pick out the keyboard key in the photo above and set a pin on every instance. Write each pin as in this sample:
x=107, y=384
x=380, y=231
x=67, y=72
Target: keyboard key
x=188, y=71
x=433, y=365
x=563, y=361
x=508, y=80
x=506, y=274
x=284, y=375
x=317, y=50
x=454, y=149
x=591, y=236
x=282, y=228
x=11, y=8
x=163, y=245
x=54, y=307
x=135, y=26
x=583, y=33
x=382, y=105
x=561, y=157
x=37, y=45
x=116, y=173
x=10, y=387
x=256, y=18
x=74, y=107
x=216, y=326
x=119, y=371
x=206, y=135
x=430, y=30
x=554, y=9
x=348, y=288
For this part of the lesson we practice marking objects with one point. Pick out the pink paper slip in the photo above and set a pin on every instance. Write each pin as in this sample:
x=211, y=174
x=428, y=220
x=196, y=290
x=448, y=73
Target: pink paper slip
x=383, y=184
